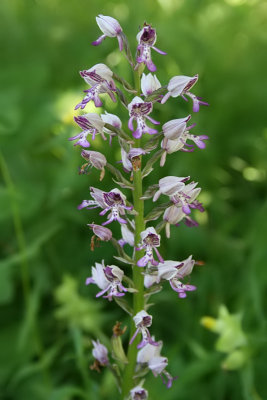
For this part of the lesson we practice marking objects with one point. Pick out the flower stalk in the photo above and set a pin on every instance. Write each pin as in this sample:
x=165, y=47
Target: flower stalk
x=138, y=278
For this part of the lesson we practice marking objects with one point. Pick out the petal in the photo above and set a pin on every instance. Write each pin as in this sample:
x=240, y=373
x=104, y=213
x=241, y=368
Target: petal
x=159, y=51
x=99, y=40
x=151, y=66
x=165, y=98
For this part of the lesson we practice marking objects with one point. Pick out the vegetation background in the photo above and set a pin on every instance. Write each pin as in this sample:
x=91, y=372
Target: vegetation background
x=48, y=316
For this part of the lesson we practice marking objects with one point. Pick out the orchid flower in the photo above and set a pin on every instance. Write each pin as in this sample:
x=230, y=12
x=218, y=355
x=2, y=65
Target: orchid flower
x=150, y=241
x=139, y=110
x=180, y=86
x=110, y=28
x=99, y=77
x=113, y=201
x=143, y=321
x=150, y=356
x=108, y=279
x=100, y=352
x=146, y=39
x=91, y=124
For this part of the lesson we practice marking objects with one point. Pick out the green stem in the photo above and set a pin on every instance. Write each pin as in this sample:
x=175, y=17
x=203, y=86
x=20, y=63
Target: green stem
x=138, y=278
x=24, y=267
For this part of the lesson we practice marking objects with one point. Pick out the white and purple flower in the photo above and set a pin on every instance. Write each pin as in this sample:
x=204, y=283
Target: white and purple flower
x=138, y=111
x=131, y=161
x=182, y=195
x=108, y=279
x=127, y=235
x=113, y=201
x=113, y=120
x=173, y=215
x=146, y=39
x=150, y=356
x=100, y=353
x=138, y=393
x=177, y=131
x=143, y=321
x=149, y=83
x=174, y=271
x=150, y=241
x=91, y=124
x=101, y=232
x=110, y=28
x=94, y=159
x=99, y=77
x=180, y=86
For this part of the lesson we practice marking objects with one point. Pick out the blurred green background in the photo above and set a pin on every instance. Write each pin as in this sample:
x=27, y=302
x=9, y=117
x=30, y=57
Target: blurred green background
x=48, y=317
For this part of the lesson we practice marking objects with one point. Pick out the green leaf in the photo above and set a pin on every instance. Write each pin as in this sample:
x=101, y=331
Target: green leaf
x=124, y=83
x=149, y=193
x=148, y=167
x=120, y=180
x=157, y=211
x=156, y=95
x=123, y=303
x=153, y=290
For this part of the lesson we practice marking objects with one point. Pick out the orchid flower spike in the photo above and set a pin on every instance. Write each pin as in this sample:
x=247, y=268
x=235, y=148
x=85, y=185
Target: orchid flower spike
x=143, y=321
x=180, y=86
x=150, y=241
x=99, y=77
x=146, y=39
x=113, y=201
x=108, y=279
x=110, y=28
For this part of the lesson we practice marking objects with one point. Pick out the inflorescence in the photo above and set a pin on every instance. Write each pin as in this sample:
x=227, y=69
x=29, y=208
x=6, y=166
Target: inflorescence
x=181, y=194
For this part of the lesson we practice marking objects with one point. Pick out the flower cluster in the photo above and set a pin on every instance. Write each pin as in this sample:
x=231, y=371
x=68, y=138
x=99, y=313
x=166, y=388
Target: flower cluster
x=139, y=244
